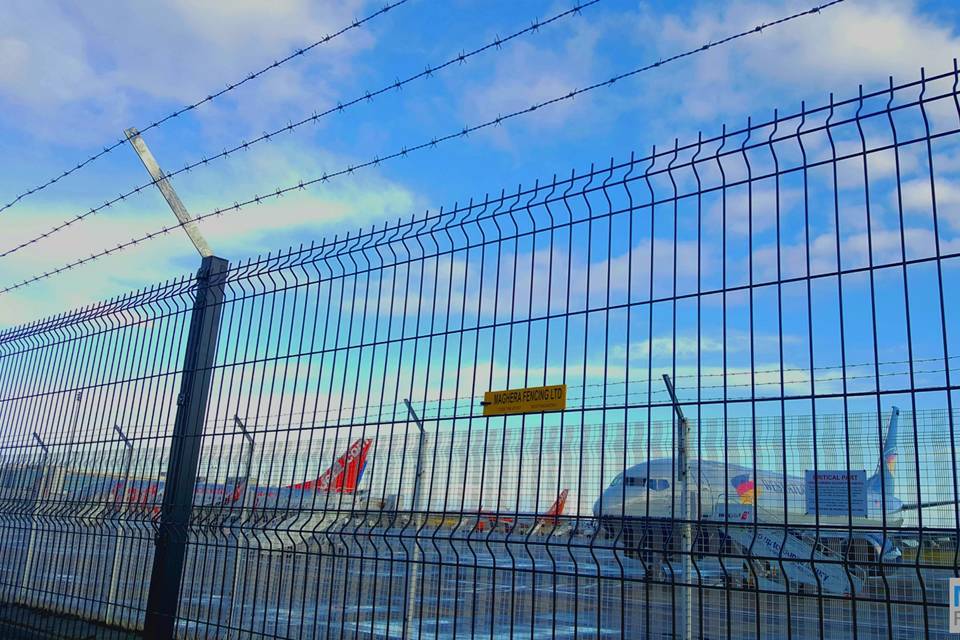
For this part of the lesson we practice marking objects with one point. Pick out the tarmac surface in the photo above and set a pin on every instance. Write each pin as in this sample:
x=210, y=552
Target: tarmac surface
x=372, y=582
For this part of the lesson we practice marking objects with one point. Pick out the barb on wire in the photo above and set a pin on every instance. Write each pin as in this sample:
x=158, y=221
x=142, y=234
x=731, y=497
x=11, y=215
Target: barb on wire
x=315, y=116
x=209, y=98
x=431, y=143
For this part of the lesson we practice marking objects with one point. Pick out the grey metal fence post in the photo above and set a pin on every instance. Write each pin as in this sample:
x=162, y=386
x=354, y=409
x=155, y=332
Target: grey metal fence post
x=116, y=519
x=38, y=494
x=418, y=519
x=171, y=538
x=237, y=556
x=686, y=535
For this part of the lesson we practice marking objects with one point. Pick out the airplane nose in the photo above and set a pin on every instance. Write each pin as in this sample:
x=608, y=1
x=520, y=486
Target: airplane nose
x=610, y=503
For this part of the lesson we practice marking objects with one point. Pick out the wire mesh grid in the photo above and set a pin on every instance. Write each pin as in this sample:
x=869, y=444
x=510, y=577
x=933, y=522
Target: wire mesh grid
x=791, y=277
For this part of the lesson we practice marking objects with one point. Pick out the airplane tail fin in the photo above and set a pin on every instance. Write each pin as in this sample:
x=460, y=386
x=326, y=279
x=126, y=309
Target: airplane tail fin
x=344, y=476
x=884, y=480
x=556, y=509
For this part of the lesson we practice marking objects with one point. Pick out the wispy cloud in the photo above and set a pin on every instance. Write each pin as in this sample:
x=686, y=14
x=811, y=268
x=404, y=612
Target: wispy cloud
x=853, y=43
x=88, y=77
x=350, y=202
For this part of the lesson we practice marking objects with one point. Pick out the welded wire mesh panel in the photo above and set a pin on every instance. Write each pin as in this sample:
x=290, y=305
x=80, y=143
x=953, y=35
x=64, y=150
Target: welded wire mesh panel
x=793, y=279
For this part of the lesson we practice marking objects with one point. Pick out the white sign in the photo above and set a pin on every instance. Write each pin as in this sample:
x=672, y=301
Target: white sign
x=836, y=493
x=954, y=605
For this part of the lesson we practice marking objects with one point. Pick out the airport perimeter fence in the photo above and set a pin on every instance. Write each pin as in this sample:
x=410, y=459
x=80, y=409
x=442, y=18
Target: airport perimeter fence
x=294, y=446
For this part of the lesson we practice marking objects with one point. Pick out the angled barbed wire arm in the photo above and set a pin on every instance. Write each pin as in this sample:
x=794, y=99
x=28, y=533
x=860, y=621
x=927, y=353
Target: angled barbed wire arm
x=190, y=226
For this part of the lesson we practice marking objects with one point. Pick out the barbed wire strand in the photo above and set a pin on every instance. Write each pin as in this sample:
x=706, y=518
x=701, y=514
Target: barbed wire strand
x=367, y=96
x=358, y=22
x=432, y=143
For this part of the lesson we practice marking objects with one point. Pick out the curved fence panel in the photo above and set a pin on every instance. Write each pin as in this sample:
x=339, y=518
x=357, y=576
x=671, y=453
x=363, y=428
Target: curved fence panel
x=751, y=348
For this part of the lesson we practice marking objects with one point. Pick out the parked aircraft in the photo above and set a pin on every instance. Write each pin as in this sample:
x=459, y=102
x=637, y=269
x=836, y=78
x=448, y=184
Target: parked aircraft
x=741, y=503
x=507, y=523
x=342, y=478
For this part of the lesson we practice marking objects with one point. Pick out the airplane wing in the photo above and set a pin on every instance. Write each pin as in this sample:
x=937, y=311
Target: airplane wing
x=914, y=506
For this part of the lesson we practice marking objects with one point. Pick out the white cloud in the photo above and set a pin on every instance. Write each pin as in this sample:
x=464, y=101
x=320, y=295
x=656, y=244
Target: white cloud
x=345, y=203
x=529, y=73
x=88, y=76
x=634, y=267
x=917, y=198
x=686, y=346
x=880, y=166
x=844, y=46
x=757, y=212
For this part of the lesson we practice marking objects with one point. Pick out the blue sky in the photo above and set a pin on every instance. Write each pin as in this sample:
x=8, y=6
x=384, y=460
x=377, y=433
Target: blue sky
x=76, y=80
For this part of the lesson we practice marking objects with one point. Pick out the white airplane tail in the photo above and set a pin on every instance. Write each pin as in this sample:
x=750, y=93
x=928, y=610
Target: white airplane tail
x=883, y=481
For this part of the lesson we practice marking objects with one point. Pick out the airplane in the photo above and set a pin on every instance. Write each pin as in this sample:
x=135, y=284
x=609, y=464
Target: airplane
x=552, y=517
x=341, y=479
x=641, y=504
x=507, y=523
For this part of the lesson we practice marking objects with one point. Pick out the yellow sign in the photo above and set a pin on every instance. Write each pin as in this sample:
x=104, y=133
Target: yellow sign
x=529, y=400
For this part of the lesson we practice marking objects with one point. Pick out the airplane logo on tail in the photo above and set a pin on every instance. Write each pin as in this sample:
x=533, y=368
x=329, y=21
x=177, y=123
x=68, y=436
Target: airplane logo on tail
x=747, y=489
x=552, y=516
x=891, y=461
x=344, y=476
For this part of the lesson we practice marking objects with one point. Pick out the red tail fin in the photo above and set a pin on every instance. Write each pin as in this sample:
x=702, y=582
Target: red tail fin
x=344, y=475
x=556, y=509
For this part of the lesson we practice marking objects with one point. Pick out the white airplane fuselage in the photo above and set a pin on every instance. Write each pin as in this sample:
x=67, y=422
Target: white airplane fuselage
x=649, y=496
x=652, y=491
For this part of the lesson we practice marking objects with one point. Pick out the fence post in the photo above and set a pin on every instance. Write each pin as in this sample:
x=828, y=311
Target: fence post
x=418, y=518
x=171, y=537
x=116, y=517
x=686, y=535
x=237, y=557
x=38, y=492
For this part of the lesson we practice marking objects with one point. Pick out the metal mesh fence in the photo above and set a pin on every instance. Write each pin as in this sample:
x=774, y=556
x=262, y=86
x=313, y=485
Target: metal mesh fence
x=793, y=278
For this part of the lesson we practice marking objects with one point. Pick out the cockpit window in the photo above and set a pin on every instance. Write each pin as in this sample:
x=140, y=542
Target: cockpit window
x=655, y=484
